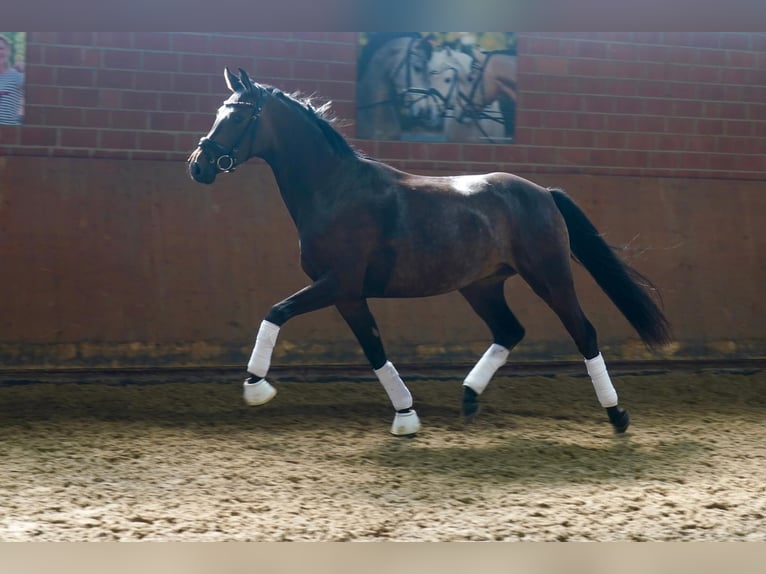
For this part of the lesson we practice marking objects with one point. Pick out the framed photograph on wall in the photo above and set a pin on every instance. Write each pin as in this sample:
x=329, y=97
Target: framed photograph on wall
x=437, y=86
x=12, y=62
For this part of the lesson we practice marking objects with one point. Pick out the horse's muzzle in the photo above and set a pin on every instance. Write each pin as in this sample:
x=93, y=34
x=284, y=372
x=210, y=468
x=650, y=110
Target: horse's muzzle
x=200, y=170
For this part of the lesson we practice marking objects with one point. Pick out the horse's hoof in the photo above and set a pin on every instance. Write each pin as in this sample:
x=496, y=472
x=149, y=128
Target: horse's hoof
x=619, y=418
x=471, y=404
x=259, y=392
x=405, y=423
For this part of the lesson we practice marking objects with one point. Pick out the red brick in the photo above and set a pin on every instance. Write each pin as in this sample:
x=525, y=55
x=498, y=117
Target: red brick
x=114, y=39
x=55, y=116
x=200, y=64
x=310, y=70
x=641, y=141
x=344, y=72
x=91, y=58
x=550, y=65
x=79, y=138
x=97, y=118
x=735, y=41
x=632, y=158
x=739, y=128
x=598, y=104
x=110, y=99
x=75, y=38
x=161, y=61
x=195, y=43
x=122, y=59
x=140, y=100
x=275, y=48
x=178, y=102
x=117, y=79
x=128, y=119
x=682, y=90
x=590, y=122
x=620, y=123
x=62, y=56
x=39, y=74
x=735, y=111
x=120, y=139
x=193, y=83
x=547, y=138
x=153, y=81
x=559, y=120
x=156, y=141
x=613, y=140
x=151, y=41
x=80, y=97
x=75, y=77
x=38, y=136
x=444, y=152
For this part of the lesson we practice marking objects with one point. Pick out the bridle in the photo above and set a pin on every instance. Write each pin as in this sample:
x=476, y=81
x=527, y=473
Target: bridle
x=226, y=160
x=400, y=98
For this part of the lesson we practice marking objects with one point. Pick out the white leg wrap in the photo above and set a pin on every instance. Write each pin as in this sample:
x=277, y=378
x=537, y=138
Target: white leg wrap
x=605, y=392
x=398, y=393
x=482, y=373
x=260, y=360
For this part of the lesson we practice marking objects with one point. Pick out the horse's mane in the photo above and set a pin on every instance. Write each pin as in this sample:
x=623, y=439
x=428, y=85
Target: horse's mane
x=376, y=41
x=321, y=117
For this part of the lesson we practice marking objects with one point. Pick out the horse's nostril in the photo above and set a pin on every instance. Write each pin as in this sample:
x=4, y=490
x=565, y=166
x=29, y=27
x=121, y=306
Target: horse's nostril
x=194, y=169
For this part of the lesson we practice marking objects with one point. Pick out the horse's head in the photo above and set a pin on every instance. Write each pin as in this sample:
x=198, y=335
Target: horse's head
x=419, y=102
x=231, y=139
x=450, y=73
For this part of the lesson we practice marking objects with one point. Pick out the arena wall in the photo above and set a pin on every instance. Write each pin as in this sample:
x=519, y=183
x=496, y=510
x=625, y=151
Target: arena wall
x=113, y=257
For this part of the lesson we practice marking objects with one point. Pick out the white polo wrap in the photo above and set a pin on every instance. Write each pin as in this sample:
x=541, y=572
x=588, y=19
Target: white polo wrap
x=605, y=392
x=479, y=377
x=398, y=393
x=260, y=359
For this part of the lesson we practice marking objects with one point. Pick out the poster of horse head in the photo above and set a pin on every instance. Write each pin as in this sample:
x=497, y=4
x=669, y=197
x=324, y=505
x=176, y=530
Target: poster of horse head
x=437, y=86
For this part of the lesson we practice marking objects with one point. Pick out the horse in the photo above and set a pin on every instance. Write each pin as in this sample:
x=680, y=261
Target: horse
x=368, y=230
x=451, y=76
x=394, y=96
x=492, y=79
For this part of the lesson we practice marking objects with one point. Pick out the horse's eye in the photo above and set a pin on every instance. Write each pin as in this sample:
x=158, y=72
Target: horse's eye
x=237, y=119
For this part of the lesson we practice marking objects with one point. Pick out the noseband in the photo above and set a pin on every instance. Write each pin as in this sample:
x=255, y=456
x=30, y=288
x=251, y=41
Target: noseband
x=226, y=160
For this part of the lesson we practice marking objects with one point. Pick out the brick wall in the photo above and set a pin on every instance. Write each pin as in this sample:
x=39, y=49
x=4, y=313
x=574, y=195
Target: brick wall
x=628, y=103
x=113, y=263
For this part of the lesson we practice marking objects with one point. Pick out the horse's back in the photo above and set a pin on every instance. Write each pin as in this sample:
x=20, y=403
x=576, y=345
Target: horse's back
x=442, y=233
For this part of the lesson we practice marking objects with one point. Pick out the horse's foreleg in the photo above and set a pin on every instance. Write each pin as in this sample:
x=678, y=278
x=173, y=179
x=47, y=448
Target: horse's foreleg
x=257, y=390
x=488, y=301
x=362, y=323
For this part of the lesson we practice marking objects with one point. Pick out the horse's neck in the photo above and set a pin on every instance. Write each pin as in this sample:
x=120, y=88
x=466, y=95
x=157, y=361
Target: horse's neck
x=304, y=166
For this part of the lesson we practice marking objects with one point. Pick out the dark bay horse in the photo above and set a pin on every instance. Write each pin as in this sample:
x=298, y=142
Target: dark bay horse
x=369, y=230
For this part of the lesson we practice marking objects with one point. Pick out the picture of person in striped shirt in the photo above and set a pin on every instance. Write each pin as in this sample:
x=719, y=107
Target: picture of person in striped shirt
x=11, y=86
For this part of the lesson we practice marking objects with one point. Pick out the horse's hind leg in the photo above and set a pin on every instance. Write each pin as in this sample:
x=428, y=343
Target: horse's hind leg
x=488, y=301
x=362, y=323
x=551, y=278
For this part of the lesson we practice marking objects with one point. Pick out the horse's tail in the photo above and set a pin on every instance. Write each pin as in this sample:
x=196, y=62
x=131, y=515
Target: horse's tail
x=627, y=288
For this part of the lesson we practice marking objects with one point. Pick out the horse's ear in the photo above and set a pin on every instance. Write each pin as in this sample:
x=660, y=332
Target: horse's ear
x=246, y=81
x=233, y=81
x=426, y=45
